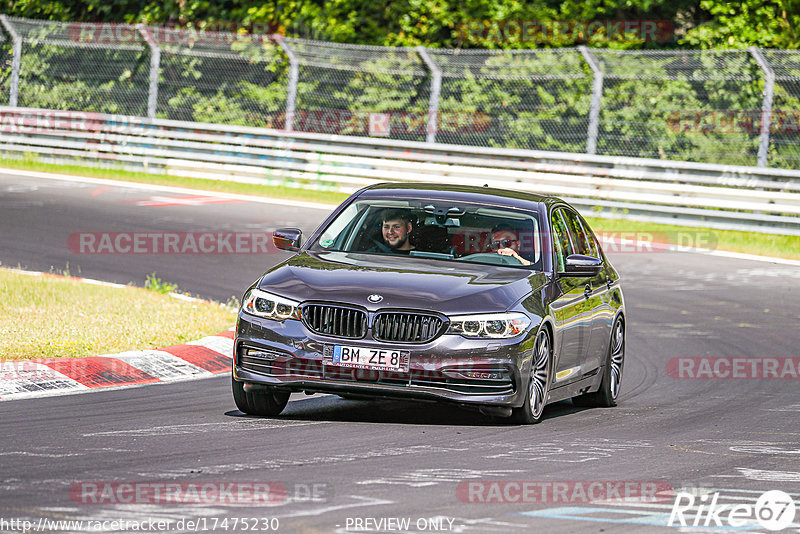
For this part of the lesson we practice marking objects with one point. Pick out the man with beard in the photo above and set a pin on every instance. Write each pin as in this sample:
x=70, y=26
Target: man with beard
x=395, y=230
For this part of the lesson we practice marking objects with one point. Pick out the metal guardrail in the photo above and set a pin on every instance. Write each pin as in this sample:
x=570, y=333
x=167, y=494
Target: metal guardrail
x=682, y=193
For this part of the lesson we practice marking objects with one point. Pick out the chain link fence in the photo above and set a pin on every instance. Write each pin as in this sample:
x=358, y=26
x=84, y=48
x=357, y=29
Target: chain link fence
x=360, y=90
x=716, y=106
x=69, y=67
x=219, y=77
x=5, y=66
x=515, y=99
x=785, y=131
x=658, y=104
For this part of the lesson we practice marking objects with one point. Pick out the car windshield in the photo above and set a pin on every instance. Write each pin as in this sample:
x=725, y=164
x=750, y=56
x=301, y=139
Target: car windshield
x=437, y=230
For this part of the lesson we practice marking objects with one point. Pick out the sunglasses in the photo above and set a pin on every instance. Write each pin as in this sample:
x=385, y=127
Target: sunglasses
x=503, y=243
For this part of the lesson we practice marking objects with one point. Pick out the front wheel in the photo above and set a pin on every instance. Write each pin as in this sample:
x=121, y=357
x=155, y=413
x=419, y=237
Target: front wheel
x=607, y=395
x=263, y=400
x=538, y=383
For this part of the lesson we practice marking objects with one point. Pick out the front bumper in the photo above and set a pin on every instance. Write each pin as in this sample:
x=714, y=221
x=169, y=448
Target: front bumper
x=449, y=368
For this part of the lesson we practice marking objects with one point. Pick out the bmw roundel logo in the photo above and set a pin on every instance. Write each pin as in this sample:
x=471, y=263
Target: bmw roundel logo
x=375, y=298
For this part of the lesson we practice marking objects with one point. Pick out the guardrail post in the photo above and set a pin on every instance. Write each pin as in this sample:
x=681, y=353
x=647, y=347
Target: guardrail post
x=436, y=89
x=766, y=106
x=597, y=95
x=155, y=68
x=16, y=61
x=291, y=90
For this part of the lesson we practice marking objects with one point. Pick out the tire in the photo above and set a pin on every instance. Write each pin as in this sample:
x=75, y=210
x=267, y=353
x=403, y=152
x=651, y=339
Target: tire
x=608, y=393
x=264, y=400
x=538, y=382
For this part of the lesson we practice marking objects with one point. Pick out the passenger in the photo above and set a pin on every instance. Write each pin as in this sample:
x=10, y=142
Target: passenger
x=506, y=239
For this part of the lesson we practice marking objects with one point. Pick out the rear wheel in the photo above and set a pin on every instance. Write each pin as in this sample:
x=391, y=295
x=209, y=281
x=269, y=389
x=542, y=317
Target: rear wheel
x=539, y=381
x=260, y=400
x=607, y=395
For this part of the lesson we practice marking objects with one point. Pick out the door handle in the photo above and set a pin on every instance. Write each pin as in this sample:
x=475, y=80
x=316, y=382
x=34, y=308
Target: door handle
x=587, y=290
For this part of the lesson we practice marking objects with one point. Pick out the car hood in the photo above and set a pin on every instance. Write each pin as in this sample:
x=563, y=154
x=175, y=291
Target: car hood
x=402, y=281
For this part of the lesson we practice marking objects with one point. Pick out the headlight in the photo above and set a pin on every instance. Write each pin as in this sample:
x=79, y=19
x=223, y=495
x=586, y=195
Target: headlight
x=492, y=325
x=262, y=304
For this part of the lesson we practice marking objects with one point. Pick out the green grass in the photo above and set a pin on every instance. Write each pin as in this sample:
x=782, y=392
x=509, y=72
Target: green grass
x=53, y=317
x=781, y=246
x=154, y=283
x=734, y=241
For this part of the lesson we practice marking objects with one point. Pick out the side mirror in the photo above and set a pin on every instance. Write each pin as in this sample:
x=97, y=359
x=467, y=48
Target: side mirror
x=287, y=238
x=580, y=265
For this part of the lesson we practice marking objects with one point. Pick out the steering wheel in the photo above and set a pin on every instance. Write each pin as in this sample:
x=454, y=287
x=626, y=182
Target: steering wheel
x=381, y=245
x=491, y=257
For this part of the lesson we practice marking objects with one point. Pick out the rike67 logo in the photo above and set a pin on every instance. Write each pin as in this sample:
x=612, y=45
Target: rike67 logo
x=774, y=510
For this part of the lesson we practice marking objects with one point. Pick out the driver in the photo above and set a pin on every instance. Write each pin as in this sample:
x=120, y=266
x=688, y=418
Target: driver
x=506, y=239
x=395, y=229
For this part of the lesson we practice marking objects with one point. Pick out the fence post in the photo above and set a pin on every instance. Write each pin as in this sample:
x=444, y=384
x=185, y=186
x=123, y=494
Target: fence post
x=766, y=106
x=436, y=89
x=16, y=61
x=597, y=95
x=155, y=68
x=291, y=90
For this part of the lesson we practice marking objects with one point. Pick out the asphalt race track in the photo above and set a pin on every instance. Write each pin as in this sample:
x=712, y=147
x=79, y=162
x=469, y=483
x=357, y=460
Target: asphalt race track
x=334, y=465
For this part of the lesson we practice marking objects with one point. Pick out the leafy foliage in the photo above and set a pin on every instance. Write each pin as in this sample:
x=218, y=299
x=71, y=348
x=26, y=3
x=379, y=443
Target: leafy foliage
x=765, y=23
x=436, y=23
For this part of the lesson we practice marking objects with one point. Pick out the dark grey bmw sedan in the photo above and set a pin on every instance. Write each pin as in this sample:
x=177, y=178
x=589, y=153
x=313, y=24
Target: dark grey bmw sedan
x=494, y=299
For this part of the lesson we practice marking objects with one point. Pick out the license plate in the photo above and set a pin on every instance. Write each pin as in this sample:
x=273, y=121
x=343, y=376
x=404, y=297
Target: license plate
x=367, y=358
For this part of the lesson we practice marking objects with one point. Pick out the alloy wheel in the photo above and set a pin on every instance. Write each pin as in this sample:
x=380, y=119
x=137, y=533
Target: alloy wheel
x=617, y=357
x=539, y=369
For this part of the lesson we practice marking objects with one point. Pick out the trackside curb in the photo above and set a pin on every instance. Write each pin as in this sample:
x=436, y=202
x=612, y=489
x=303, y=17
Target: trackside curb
x=203, y=358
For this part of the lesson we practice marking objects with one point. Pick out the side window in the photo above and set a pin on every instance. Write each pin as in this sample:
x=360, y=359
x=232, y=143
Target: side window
x=581, y=243
x=593, y=244
x=561, y=242
x=334, y=236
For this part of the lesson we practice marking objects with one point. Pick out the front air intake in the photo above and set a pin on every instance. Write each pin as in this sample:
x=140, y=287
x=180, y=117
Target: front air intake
x=335, y=320
x=407, y=327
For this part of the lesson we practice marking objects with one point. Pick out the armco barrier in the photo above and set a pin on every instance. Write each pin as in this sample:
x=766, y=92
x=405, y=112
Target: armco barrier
x=693, y=194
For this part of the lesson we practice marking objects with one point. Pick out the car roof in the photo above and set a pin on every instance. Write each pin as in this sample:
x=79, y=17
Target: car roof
x=463, y=193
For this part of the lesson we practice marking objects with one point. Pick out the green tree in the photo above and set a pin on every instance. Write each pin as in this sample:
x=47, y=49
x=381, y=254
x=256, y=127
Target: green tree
x=765, y=23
